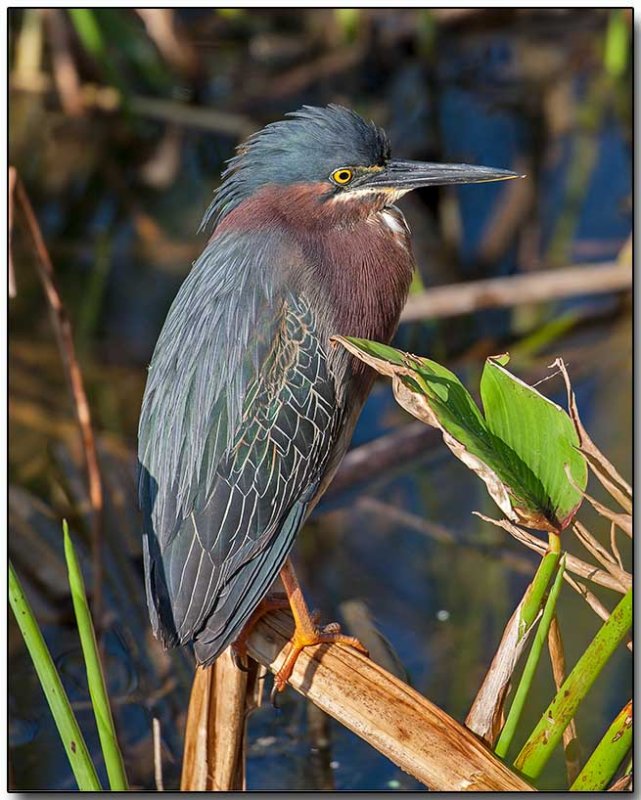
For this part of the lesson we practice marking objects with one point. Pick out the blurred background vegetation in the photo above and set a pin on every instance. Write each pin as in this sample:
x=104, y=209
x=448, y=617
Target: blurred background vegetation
x=120, y=123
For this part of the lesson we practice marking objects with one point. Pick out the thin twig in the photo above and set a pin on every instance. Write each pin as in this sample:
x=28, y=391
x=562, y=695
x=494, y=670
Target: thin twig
x=62, y=327
x=538, y=287
x=157, y=755
x=602, y=467
x=624, y=521
x=613, y=544
x=573, y=564
x=601, y=555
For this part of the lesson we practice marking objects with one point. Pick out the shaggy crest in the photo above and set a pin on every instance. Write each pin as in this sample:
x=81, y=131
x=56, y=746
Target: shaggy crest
x=304, y=148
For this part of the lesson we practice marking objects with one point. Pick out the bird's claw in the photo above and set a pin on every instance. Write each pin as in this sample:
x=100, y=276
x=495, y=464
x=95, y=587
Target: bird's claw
x=239, y=656
x=328, y=634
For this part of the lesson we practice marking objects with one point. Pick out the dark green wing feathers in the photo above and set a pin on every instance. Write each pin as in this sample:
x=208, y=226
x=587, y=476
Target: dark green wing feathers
x=237, y=426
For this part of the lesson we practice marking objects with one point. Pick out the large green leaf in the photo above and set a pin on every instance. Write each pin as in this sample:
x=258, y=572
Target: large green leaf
x=542, y=443
x=524, y=448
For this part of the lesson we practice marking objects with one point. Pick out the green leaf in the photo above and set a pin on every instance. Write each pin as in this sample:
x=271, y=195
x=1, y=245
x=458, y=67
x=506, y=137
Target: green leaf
x=95, y=676
x=541, y=445
x=523, y=448
x=54, y=691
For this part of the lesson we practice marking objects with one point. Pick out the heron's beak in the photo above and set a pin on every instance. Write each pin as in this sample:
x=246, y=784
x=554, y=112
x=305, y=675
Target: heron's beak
x=403, y=176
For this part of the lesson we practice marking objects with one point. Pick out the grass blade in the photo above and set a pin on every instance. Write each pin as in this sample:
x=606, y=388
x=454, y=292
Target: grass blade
x=545, y=737
x=54, y=691
x=95, y=676
x=599, y=769
x=525, y=684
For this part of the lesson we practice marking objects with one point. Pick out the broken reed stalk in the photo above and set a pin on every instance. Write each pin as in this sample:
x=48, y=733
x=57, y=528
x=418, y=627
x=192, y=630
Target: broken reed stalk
x=400, y=723
x=62, y=327
x=222, y=696
x=486, y=717
x=537, y=287
x=156, y=736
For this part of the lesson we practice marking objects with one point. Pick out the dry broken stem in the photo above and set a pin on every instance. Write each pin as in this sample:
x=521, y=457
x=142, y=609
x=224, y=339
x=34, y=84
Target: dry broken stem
x=395, y=719
x=62, y=327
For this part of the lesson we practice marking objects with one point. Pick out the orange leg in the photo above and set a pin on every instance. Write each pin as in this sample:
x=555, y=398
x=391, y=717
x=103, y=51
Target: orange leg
x=306, y=633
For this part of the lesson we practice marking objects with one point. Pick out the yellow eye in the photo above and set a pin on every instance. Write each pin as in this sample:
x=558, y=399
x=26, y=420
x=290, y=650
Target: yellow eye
x=342, y=176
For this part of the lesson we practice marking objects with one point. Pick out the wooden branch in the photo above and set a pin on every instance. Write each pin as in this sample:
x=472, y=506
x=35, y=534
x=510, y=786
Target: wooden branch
x=395, y=719
x=535, y=287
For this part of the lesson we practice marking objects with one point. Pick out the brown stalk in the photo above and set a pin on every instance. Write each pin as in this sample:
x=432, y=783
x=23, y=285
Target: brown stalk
x=222, y=696
x=62, y=327
x=570, y=740
x=394, y=718
x=486, y=715
x=623, y=521
x=157, y=755
x=622, y=498
x=384, y=453
x=439, y=533
x=513, y=207
x=613, y=545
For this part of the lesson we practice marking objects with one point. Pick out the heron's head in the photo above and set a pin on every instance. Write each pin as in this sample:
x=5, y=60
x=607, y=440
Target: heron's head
x=333, y=156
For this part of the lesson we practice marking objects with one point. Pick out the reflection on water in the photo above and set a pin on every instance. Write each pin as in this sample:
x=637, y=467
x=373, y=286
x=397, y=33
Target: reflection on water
x=121, y=251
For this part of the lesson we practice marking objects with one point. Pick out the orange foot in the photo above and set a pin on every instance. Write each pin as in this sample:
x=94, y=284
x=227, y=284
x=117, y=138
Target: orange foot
x=305, y=636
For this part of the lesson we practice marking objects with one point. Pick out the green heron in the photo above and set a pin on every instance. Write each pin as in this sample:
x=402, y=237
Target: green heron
x=248, y=409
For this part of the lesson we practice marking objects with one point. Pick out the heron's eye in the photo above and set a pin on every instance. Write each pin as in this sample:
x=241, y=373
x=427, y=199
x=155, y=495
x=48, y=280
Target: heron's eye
x=342, y=176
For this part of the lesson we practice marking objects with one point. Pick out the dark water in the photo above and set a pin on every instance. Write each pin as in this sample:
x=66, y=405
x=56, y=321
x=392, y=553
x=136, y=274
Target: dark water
x=480, y=97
